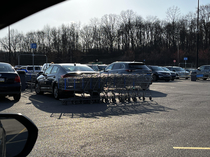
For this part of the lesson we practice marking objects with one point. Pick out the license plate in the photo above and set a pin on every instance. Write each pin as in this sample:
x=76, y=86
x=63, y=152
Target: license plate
x=1, y=79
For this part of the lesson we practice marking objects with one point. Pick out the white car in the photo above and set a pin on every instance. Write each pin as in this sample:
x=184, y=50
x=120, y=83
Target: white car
x=32, y=68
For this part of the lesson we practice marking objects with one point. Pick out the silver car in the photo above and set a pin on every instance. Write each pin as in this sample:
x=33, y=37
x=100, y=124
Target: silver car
x=181, y=72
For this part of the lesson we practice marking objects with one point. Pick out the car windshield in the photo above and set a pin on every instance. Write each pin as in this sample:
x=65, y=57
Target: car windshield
x=77, y=68
x=156, y=68
x=179, y=69
x=101, y=67
x=166, y=69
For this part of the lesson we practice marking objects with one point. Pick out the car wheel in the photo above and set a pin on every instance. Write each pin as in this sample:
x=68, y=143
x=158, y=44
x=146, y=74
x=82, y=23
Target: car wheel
x=167, y=80
x=186, y=78
x=17, y=97
x=204, y=78
x=172, y=79
x=56, y=92
x=154, y=78
x=37, y=89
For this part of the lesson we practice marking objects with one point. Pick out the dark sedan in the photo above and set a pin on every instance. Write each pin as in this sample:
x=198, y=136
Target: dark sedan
x=10, y=84
x=48, y=81
x=160, y=74
x=174, y=75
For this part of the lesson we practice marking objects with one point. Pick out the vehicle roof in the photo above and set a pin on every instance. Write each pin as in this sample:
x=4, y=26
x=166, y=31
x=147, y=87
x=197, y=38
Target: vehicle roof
x=4, y=63
x=129, y=62
x=205, y=65
x=24, y=8
x=70, y=64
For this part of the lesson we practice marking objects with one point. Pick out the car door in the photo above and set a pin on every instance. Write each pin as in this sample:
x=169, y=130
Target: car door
x=109, y=68
x=43, y=81
x=116, y=68
x=51, y=77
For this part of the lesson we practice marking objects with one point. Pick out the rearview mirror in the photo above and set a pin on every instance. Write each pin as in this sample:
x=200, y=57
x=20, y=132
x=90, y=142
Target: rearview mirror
x=18, y=135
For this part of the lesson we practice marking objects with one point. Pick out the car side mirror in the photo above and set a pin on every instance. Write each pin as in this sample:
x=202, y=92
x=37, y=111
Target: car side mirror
x=18, y=134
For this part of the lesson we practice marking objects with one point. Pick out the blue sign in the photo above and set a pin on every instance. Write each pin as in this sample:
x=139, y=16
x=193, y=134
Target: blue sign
x=185, y=58
x=33, y=45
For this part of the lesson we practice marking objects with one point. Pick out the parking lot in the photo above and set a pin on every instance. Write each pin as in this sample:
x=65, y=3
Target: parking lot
x=175, y=123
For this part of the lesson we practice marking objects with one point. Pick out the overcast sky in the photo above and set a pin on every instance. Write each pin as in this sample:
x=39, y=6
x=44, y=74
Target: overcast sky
x=83, y=10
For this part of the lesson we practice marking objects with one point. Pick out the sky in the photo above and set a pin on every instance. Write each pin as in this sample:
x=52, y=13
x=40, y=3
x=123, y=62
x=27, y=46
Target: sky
x=83, y=10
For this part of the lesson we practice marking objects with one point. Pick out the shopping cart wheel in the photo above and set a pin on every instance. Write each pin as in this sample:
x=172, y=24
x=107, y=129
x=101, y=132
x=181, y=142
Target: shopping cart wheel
x=129, y=99
x=113, y=100
x=122, y=100
x=134, y=99
x=106, y=100
x=150, y=98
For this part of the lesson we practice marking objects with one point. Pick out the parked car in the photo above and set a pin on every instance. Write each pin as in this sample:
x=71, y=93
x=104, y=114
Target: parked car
x=45, y=66
x=203, y=72
x=93, y=66
x=101, y=67
x=181, y=72
x=174, y=75
x=31, y=68
x=48, y=80
x=160, y=74
x=10, y=84
x=97, y=67
x=128, y=68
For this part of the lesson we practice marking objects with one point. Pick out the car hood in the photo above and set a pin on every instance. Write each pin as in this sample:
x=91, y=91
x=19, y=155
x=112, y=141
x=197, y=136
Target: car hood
x=163, y=72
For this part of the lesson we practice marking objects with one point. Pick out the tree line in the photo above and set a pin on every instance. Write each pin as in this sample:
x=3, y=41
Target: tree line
x=126, y=36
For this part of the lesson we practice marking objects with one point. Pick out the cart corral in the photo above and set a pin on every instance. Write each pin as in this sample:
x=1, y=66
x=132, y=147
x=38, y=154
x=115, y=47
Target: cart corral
x=106, y=88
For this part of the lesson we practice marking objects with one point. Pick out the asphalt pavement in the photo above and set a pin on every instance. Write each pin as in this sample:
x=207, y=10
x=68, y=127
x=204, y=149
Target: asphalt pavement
x=175, y=123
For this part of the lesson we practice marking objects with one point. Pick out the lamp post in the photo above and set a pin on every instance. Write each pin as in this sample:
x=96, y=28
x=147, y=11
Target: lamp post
x=197, y=36
x=9, y=44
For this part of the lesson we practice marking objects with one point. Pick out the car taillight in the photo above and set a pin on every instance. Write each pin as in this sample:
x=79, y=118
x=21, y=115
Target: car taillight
x=17, y=79
x=66, y=76
x=128, y=70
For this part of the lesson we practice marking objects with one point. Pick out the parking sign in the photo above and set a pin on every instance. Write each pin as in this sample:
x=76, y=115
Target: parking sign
x=33, y=45
x=185, y=58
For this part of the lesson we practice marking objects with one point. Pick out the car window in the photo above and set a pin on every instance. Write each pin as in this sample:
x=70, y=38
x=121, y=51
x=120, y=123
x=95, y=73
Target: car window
x=117, y=66
x=109, y=67
x=48, y=70
x=206, y=68
x=6, y=68
x=29, y=68
x=138, y=66
x=37, y=68
x=54, y=70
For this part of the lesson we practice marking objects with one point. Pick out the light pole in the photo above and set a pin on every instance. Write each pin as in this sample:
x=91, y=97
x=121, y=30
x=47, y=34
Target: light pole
x=197, y=36
x=9, y=44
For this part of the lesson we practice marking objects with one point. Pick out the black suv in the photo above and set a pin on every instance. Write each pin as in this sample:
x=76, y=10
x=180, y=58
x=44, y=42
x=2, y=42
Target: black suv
x=128, y=68
x=160, y=74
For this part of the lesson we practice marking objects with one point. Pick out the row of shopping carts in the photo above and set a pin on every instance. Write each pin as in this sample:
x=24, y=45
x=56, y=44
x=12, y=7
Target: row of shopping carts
x=107, y=88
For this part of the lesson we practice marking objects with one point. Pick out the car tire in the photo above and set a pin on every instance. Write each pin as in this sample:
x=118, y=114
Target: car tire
x=186, y=78
x=154, y=78
x=56, y=93
x=17, y=97
x=172, y=79
x=204, y=78
x=167, y=80
x=37, y=89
